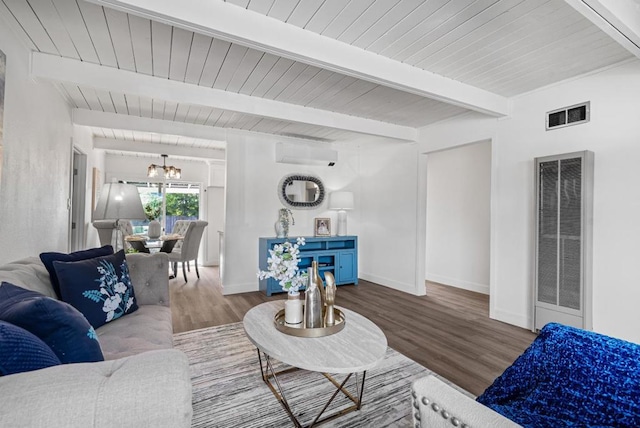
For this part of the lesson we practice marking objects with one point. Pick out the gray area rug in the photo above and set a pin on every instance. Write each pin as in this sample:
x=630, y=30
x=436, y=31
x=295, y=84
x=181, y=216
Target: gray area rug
x=228, y=390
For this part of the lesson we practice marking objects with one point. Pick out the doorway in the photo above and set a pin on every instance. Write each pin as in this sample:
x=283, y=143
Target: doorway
x=458, y=217
x=78, y=198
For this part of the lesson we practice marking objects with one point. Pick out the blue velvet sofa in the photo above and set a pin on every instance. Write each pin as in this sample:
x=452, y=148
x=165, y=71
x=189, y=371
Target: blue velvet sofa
x=567, y=377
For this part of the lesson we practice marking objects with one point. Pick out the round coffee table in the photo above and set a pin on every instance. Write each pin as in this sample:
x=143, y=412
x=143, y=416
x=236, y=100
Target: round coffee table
x=357, y=348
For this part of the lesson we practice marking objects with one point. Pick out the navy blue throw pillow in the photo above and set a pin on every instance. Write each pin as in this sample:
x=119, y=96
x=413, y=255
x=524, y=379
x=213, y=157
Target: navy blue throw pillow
x=100, y=288
x=48, y=259
x=65, y=330
x=21, y=351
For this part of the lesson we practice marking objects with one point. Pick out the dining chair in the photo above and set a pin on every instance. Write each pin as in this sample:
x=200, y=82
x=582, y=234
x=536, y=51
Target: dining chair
x=125, y=228
x=180, y=228
x=189, y=248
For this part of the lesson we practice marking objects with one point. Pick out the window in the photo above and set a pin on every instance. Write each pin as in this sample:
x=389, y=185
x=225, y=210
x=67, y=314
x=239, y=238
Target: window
x=181, y=202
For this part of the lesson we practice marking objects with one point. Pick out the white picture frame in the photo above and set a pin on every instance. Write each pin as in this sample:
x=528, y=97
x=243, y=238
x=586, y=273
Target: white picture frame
x=322, y=226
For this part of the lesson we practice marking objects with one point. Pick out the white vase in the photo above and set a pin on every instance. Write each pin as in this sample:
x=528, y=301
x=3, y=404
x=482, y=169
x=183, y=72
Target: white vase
x=280, y=230
x=155, y=229
x=293, y=309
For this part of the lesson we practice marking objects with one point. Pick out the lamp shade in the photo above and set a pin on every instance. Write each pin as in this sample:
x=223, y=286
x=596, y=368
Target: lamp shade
x=341, y=201
x=119, y=201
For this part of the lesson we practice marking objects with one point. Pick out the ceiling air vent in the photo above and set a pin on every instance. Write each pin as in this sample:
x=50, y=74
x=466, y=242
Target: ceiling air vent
x=568, y=116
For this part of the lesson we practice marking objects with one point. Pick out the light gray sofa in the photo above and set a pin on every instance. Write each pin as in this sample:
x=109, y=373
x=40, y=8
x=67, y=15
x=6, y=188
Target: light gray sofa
x=142, y=382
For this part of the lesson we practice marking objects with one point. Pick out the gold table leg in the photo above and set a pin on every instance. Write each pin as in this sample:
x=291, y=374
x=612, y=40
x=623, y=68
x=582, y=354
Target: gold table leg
x=268, y=373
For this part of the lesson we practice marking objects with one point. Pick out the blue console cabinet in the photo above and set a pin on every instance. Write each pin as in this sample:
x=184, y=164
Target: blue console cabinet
x=336, y=254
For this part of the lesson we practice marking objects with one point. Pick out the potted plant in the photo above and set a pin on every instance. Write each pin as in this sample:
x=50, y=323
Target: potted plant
x=285, y=217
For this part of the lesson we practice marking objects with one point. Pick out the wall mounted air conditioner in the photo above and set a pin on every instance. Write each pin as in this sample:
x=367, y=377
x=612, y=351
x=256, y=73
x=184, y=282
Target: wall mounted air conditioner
x=305, y=155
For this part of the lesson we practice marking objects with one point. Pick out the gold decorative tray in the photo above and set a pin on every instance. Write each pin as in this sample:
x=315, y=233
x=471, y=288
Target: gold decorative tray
x=301, y=331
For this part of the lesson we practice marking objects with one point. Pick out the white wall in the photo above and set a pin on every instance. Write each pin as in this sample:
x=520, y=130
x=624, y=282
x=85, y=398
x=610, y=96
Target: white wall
x=613, y=136
x=458, y=216
x=215, y=217
x=217, y=173
x=215, y=211
x=34, y=188
x=389, y=202
x=252, y=203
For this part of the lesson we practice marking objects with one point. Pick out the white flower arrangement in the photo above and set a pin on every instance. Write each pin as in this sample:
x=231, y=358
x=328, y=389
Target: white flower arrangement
x=283, y=266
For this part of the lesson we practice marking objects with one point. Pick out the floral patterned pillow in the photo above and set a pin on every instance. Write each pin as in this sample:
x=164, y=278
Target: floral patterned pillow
x=100, y=288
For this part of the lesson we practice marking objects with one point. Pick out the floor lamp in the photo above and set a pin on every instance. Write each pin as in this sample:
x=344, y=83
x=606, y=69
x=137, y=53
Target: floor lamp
x=341, y=201
x=119, y=201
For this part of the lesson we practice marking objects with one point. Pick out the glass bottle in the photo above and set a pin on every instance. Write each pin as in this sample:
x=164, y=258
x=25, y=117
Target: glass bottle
x=312, y=303
x=314, y=276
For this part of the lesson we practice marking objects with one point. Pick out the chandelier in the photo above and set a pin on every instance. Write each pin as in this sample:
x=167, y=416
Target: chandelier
x=170, y=172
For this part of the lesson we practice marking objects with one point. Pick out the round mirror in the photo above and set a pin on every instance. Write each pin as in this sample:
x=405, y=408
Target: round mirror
x=301, y=191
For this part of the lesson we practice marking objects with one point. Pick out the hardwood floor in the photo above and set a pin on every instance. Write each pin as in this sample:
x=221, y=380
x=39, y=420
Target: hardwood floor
x=448, y=331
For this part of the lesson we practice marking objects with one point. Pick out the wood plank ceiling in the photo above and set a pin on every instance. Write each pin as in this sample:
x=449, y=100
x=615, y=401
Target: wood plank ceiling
x=507, y=47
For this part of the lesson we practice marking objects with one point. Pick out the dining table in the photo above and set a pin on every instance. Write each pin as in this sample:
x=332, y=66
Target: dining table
x=146, y=244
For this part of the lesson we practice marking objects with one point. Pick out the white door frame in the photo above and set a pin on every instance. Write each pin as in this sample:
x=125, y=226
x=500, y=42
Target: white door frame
x=77, y=199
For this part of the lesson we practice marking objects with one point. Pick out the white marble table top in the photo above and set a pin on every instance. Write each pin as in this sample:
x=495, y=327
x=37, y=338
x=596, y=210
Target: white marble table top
x=358, y=347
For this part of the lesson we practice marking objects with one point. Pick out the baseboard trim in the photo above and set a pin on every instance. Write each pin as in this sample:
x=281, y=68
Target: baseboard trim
x=458, y=283
x=239, y=288
x=407, y=288
x=518, y=320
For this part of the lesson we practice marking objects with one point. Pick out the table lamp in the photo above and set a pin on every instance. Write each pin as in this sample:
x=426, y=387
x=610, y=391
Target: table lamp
x=341, y=201
x=119, y=201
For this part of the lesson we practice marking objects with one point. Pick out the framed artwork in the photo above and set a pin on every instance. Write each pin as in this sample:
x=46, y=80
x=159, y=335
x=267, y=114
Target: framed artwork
x=3, y=68
x=322, y=227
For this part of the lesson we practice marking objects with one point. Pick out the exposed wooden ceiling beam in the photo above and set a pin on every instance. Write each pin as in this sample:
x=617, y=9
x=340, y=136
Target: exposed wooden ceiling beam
x=226, y=21
x=100, y=119
x=155, y=148
x=620, y=19
x=80, y=73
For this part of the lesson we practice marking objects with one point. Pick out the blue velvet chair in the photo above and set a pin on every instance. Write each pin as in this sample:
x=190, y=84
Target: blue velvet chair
x=567, y=377
x=570, y=377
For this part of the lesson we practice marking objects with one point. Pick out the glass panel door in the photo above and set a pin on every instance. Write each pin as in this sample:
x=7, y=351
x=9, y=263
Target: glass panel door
x=167, y=203
x=151, y=198
x=182, y=203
